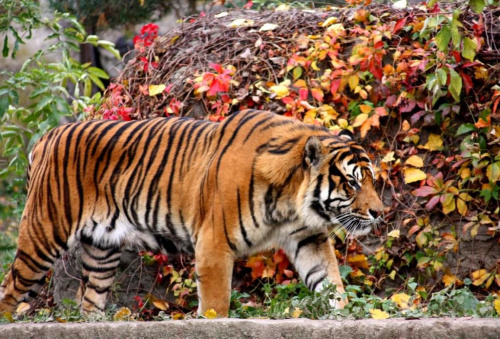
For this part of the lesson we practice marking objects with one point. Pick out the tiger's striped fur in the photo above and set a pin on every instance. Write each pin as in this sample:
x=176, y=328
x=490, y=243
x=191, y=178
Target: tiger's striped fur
x=220, y=191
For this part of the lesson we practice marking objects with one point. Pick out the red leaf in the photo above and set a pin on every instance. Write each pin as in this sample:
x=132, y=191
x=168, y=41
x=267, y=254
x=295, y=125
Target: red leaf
x=216, y=87
x=399, y=24
x=248, y=5
x=424, y=191
x=376, y=70
x=432, y=202
x=217, y=67
x=413, y=230
x=303, y=93
x=467, y=82
x=456, y=56
x=335, y=86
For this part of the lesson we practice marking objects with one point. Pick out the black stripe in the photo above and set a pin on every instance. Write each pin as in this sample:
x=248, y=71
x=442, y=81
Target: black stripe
x=315, y=239
x=242, y=227
x=241, y=123
x=320, y=279
x=312, y=270
x=231, y=245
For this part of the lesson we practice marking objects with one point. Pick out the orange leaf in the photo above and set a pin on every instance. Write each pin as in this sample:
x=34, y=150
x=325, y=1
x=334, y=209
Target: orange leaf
x=317, y=94
x=365, y=108
x=358, y=260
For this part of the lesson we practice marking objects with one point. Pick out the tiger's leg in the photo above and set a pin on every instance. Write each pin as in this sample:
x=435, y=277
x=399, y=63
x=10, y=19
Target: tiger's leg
x=315, y=261
x=27, y=273
x=214, y=270
x=98, y=272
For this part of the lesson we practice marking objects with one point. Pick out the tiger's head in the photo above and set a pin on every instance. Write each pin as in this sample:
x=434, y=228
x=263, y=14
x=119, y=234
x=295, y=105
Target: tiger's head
x=339, y=185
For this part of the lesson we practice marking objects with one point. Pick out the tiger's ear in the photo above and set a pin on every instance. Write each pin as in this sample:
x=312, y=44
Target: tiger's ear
x=346, y=135
x=313, y=152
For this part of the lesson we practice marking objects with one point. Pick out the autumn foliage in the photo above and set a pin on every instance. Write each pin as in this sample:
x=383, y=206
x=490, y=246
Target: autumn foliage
x=420, y=88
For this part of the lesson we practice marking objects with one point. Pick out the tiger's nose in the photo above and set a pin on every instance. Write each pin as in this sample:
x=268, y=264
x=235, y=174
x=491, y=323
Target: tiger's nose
x=374, y=214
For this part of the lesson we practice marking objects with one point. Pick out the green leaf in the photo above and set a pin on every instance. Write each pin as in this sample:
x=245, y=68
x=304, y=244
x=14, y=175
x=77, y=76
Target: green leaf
x=455, y=86
x=477, y=5
x=442, y=77
x=43, y=103
x=456, y=38
x=113, y=51
x=469, y=50
x=4, y=105
x=297, y=72
x=465, y=128
x=5, y=50
x=443, y=38
x=98, y=72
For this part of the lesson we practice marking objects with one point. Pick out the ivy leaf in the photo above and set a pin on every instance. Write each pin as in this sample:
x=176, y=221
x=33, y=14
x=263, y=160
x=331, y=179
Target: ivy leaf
x=455, y=86
x=402, y=300
x=413, y=175
x=379, y=314
x=477, y=5
x=443, y=38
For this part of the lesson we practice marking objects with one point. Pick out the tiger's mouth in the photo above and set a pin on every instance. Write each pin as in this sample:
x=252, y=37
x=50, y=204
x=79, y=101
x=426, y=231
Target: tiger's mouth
x=354, y=225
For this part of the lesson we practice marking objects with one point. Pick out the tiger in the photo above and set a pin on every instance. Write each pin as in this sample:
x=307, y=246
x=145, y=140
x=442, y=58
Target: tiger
x=220, y=191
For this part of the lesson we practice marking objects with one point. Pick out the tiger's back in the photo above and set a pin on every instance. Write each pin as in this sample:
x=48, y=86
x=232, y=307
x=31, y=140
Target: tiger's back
x=217, y=190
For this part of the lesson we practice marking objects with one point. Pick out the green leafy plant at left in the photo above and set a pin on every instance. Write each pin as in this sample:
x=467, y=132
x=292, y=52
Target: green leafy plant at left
x=35, y=97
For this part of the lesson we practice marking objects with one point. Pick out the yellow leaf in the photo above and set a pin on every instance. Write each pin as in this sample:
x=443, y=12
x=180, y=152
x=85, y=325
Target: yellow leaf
x=336, y=29
x=448, y=203
x=296, y=313
x=413, y=175
x=329, y=21
x=221, y=15
x=268, y=27
x=210, y=314
x=402, y=299
x=358, y=260
x=365, y=108
x=314, y=66
x=360, y=119
x=497, y=305
x=434, y=143
x=449, y=279
x=379, y=314
x=241, y=23
x=461, y=207
x=122, y=314
x=479, y=277
x=8, y=316
x=389, y=157
x=22, y=308
x=280, y=91
x=156, y=89
x=394, y=233
x=415, y=161
x=353, y=81
x=161, y=304
x=178, y=316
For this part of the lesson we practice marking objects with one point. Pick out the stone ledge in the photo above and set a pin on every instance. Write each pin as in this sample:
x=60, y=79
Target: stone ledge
x=438, y=328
